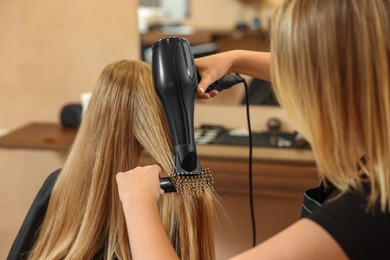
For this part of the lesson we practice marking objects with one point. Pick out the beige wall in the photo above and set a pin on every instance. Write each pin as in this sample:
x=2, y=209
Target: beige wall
x=52, y=51
x=22, y=174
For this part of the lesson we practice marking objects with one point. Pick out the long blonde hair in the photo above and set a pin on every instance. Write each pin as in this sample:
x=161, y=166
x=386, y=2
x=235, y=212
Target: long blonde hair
x=123, y=119
x=331, y=73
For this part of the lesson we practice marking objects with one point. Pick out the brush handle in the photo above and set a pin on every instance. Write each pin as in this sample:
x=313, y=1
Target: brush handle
x=167, y=185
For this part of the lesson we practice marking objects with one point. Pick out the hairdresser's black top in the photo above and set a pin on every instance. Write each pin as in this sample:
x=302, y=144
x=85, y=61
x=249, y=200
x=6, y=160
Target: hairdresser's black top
x=362, y=234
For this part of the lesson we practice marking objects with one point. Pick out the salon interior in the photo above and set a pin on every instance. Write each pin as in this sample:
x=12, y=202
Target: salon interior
x=51, y=54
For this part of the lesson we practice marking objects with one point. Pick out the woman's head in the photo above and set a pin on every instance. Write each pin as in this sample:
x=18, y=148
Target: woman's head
x=125, y=116
x=331, y=73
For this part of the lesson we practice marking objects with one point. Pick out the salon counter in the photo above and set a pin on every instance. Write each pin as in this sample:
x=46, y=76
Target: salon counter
x=276, y=171
x=40, y=136
x=52, y=136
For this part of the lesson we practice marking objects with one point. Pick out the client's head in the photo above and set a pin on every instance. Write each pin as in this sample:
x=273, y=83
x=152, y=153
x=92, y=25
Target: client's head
x=124, y=117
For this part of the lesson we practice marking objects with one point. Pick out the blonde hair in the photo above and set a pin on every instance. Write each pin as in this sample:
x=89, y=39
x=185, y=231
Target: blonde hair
x=330, y=70
x=85, y=214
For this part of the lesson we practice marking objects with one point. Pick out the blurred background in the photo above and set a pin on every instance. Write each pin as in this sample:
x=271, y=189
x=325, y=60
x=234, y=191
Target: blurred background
x=53, y=51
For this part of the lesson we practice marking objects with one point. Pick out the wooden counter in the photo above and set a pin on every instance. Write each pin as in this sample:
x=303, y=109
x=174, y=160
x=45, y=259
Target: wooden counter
x=53, y=136
x=47, y=136
x=276, y=172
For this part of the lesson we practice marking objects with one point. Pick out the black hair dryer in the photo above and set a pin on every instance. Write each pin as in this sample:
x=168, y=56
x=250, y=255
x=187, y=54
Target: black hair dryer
x=175, y=82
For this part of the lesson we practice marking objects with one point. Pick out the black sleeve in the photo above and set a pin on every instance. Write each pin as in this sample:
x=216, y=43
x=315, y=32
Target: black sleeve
x=362, y=234
x=26, y=236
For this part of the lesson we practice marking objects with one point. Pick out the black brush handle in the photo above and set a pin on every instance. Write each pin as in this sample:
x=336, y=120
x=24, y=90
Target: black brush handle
x=166, y=185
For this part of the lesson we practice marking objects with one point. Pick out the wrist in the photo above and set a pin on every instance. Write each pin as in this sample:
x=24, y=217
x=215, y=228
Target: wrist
x=138, y=203
x=233, y=61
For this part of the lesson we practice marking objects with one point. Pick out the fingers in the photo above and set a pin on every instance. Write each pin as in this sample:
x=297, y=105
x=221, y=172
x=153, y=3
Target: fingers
x=211, y=94
x=204, y=83
x=151, y=169
x=156, y=168
x=139, y=183
x=202, y=86
x=207, y=78
x=201, y=95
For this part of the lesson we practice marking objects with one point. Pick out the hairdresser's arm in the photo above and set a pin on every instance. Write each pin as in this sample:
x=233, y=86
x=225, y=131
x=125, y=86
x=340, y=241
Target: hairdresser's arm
x=303, y=240
x=139, y=192
x=213, y=67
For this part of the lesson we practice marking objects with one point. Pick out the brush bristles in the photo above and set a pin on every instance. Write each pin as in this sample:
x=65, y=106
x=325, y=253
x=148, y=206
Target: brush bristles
x=194, y=182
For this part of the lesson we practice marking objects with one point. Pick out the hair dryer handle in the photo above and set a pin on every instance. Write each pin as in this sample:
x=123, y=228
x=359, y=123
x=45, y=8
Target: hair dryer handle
x=225, y=82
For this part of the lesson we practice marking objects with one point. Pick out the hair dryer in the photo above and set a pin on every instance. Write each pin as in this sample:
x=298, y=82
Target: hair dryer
x=175, y=81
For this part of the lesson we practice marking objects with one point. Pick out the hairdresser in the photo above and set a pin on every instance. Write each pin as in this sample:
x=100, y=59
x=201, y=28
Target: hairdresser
x=330, y=69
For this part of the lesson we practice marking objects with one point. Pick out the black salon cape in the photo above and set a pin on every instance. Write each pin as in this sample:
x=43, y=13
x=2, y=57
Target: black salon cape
x=35, y=216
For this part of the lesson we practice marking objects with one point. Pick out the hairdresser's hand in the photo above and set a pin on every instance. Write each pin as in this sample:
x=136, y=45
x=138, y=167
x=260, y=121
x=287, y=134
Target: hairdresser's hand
x=140, y=184
x=211, y=68
x=139, y=191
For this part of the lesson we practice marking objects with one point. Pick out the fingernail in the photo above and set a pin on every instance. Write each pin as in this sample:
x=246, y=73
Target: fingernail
x=162, y=192
x=202, y=90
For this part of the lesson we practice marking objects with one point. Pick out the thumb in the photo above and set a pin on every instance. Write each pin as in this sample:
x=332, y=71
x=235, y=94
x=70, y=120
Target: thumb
x=204, y=83
x=202, y=86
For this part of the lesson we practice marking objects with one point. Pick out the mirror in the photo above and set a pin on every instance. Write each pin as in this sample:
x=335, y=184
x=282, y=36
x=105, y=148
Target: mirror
x=209, y=33
x=158, y=12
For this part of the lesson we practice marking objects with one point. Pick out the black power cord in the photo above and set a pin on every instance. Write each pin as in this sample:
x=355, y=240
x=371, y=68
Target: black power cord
x=225, y=83
x=250, y=165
